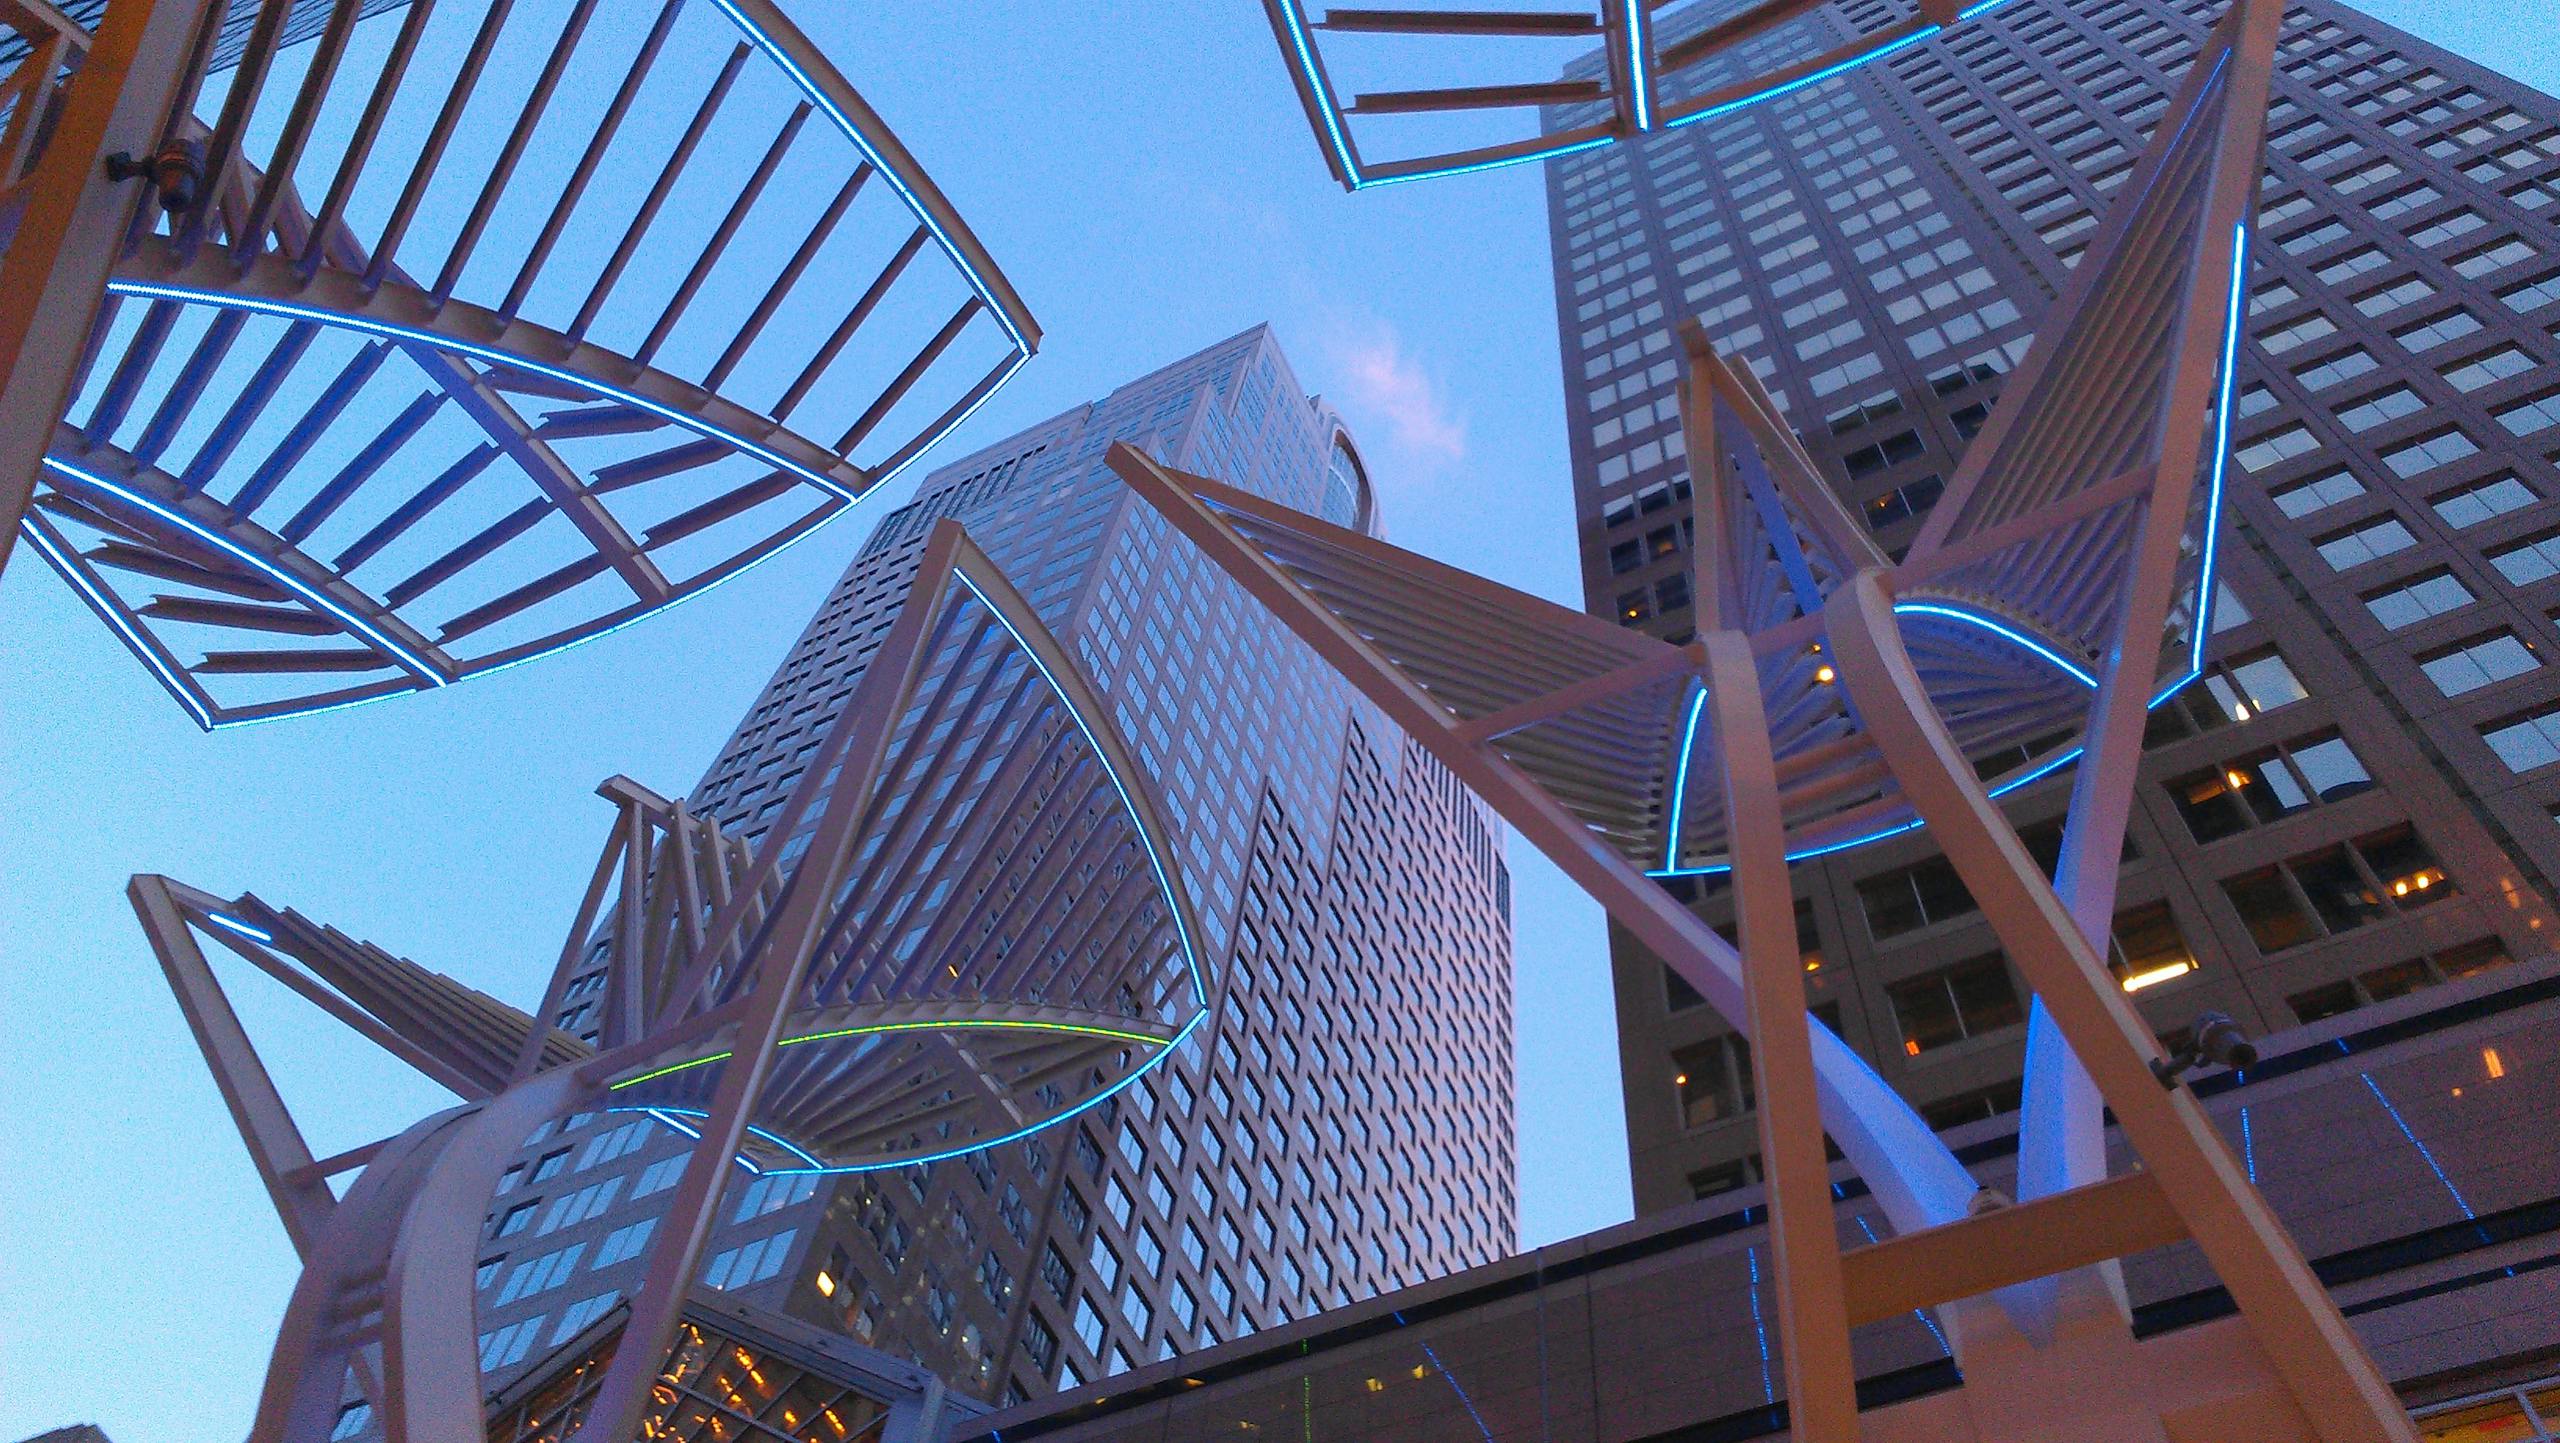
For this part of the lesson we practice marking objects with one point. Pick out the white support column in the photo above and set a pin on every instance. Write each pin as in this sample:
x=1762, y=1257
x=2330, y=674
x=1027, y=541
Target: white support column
x=1804, y=1240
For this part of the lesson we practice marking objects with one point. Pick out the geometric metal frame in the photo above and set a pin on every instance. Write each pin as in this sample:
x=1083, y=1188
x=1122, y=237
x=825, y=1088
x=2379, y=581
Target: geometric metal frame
x=1635, y=63
x=545, y=433
x=708, y=951
x=1838, y=700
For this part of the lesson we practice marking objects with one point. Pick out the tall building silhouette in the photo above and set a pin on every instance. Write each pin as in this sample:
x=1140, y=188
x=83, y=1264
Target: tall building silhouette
x=1342, y=1124
x=2356, y=801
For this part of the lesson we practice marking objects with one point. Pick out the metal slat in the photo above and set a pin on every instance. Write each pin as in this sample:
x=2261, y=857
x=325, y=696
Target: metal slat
x=503, y=169
x=657, y=197
x=359, y=149
x=431, y=154
x=250, y=404
x=1461, y=22
x=721, y=235
x=410, y=512
x=298, y=442
x=496, y=534
x=262, y=663
x=223, y=146
x=177, y=405
x=362, y=466
x=132, y=369
x=145, y=562
x=323, y=68
x=489, y=613
x=720, y=508
x=1479, y=97
x=291, y=621
x=641, y=65
x=657, y=464
x=862, y=309
x=907, y=378
x=790, y=276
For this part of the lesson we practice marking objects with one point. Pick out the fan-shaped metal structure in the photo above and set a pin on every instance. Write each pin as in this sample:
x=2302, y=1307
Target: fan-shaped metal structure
x=1834, y=696
x=1011, y=946
x=1645, y=82
x=913, y=969
x=472, y=331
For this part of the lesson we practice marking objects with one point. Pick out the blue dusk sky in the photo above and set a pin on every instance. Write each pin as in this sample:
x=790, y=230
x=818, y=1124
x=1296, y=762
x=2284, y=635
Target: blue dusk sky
x=1145, y=176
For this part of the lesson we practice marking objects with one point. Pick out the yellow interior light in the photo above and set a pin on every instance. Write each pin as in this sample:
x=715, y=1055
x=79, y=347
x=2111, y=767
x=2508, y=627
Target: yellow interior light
x=2154, y=976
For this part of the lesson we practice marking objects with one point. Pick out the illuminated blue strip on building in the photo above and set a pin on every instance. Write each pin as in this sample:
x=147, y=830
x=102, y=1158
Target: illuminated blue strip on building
x=2233, y=311
x=1768, y=1389
x=1921, y=1313
x=234, y=924
x=671, y=1118
x=1688, y=742
x=2248, y=1147
x=2432, y=1165
x=253, y=560
x=1463, y=1400
x=113, y=614
x=668, y=1115
x=388, y=330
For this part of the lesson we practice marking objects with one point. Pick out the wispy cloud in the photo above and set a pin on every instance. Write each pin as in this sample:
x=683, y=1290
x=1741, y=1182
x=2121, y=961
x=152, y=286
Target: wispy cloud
x=1382, y=385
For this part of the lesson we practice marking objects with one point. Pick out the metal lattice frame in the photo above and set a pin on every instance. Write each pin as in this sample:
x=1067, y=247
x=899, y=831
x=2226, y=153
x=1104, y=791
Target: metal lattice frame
x=941, y=969
x=1833, y=697
x=487, y=333
x=1635, y=62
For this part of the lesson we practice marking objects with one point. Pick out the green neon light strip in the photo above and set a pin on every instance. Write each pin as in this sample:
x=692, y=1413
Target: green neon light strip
x=877, y=1027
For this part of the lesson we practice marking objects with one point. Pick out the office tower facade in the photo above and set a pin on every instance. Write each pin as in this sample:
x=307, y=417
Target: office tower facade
x=2353, y=802
x=1341, y=1124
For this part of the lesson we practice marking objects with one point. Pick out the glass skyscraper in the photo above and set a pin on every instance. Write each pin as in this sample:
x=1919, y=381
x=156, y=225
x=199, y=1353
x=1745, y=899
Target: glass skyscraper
x=2357, y=801
x=1341, y=1126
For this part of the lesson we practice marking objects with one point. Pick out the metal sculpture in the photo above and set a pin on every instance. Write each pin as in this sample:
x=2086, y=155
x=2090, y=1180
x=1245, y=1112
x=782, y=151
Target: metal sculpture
x=464, y=333
x=1628, y=94
x=2059, y=588
x=907, y=971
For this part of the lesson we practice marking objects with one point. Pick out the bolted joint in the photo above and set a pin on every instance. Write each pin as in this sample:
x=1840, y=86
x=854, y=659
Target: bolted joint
x=175, y=171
